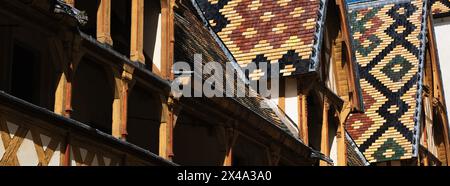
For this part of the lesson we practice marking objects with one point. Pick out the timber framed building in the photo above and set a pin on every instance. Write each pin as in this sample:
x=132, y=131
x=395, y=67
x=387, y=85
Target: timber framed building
x=87, y=82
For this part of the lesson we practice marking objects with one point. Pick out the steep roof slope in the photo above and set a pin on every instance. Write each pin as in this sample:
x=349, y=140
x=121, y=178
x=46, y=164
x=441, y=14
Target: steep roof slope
x=388, y=40
x=283, y=31
x=192, y=36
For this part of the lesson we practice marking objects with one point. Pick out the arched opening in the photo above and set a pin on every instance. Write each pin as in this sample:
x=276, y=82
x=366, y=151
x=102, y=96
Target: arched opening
x=92, y=95
x=144, y=119
x=196, y=143
x=90, y=8
x=121, y=25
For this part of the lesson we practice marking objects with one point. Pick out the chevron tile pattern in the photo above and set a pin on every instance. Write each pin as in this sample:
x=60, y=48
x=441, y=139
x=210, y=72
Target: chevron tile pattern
x=387, y=44
x=272, y=31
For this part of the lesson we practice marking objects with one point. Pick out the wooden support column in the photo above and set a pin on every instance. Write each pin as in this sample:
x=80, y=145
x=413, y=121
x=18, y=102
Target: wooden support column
x=137, y=31
x=340, y=135
x=165, y=143
x=169, y=116
x=66, y=55
x=342, y=149
x=425, y=145
x=424, y=131
x=167, y=38
x=104, y=22
x=63, y=95
x=324, y=142
x=123, y=81
x=303, y=118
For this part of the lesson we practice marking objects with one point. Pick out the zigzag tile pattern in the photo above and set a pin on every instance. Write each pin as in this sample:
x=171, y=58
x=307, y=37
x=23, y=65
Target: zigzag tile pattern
x=387, y=45
x=266, y=31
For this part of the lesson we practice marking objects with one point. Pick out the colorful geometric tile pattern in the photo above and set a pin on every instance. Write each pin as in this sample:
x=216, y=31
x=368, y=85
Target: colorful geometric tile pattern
x=440, y=8
x=387, y=42
x=284, y=31
x=193, y=37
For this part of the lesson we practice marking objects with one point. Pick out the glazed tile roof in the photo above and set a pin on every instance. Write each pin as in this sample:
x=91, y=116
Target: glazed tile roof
x=192, y=37
x=388, y=45
x=284, y=31
x=354, y=156
x=440, y=8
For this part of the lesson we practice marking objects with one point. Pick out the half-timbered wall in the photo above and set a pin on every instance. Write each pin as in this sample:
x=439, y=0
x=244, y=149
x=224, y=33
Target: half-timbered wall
x=27, y=140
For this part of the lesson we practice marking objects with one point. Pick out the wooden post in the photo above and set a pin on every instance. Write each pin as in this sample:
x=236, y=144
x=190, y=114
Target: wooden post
x=167, y=38
x=164, y=141
x=66, y=55
x=169, y=115
x=304, y=118
x=120, y=104
x=424, y=133
x=63, y=96
x=137, y=31
x=324, y=145
x=340, y=136
x=342, y=149
x=104, y=22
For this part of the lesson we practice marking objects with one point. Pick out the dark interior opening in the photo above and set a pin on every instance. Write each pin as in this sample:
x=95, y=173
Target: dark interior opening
x=144, y=118
x=25, y=74
x=90, y=8
x=314, y=121
x=92, y=96
x=121, y=25
x=248, y=153
x=196, y=143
